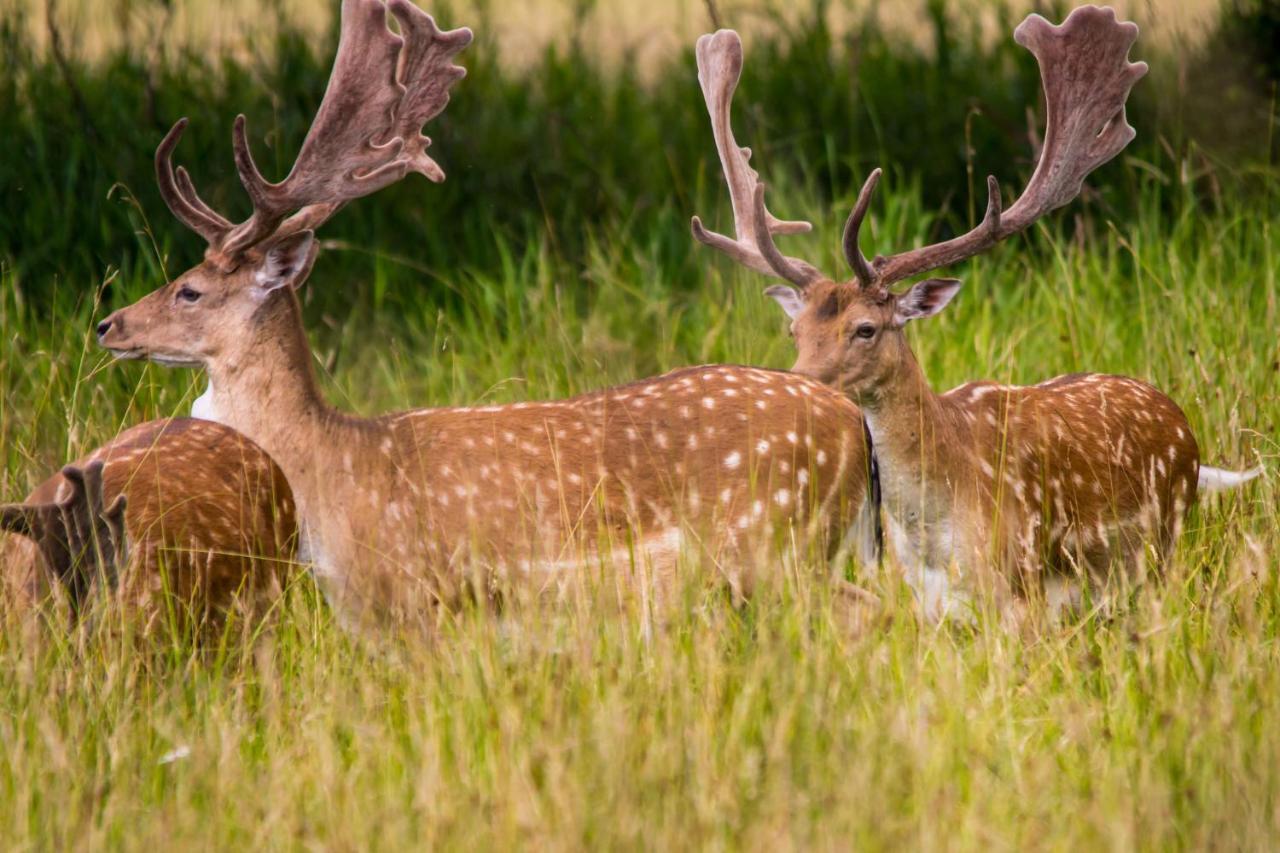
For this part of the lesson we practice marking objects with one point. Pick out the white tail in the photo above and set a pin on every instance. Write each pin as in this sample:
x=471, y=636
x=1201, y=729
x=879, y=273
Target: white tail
x=1220, y=479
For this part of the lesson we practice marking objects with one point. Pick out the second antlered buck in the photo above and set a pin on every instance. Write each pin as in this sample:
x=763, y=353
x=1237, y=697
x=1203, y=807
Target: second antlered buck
x=1076, y=475
x=396, y=512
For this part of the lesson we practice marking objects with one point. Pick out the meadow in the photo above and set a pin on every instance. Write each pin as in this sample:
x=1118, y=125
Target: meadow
x=557, y=259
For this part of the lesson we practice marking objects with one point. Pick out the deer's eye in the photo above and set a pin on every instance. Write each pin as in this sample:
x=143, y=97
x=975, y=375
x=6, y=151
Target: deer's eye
x=186, y=294
x=865, y=331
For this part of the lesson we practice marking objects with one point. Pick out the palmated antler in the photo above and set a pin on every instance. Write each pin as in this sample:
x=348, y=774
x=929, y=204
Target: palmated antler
x=719, y=68
x=78, y=538
x=1087, y=77
x=366, y=135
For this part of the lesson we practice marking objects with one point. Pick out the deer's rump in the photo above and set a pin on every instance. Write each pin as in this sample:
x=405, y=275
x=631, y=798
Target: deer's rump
x=715, y=458
x=1107, y=464
x=209, y=516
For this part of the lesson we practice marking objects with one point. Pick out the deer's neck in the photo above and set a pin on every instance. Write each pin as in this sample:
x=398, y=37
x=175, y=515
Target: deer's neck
x=339, y=467
x=918, y=441
x=268, y=383
x=268, y=391
x=908, y=421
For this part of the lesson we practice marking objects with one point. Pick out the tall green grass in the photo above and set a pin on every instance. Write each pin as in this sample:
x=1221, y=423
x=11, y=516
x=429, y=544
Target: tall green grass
x=557, y=259
x=787, y=722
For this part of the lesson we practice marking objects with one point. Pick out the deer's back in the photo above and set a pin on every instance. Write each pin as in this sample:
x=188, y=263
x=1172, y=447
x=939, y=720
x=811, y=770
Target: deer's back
x=209, y=513
x=728, y=450
x=1090, y=454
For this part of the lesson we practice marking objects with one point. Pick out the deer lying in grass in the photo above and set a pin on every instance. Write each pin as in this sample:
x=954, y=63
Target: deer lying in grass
x=396, y=511
x=200, y=519
x=1077, y=474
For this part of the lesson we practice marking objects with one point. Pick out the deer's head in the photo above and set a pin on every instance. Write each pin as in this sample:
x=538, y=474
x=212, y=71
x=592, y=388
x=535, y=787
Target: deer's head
x=851, y=338
x=204, y=315
x=850, y=334
x=367, y=135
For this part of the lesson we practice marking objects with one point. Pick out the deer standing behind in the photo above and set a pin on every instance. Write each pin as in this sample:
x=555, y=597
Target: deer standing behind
x=179, y=518
x=401, y=512
x=1076, y=475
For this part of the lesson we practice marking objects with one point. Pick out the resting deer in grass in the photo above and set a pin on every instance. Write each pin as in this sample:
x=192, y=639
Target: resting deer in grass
x=1079, y=473
x=175, y=517
x=397, y=511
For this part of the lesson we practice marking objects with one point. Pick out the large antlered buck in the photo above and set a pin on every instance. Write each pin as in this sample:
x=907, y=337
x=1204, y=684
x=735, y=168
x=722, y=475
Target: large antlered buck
x=401, y=511
x=1076, y=475
x=177, y=519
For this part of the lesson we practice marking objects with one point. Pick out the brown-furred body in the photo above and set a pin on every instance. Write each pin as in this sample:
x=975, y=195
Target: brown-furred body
x=1094, y=466
x=402, y=511
x=1051, y=484
x=210, y=522
x=1074, y=476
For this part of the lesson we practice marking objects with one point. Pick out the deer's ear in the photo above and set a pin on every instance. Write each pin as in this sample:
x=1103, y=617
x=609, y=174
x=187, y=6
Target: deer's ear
x=18, y=518
x=287, y=263
x=788, y=297
x=925, y=298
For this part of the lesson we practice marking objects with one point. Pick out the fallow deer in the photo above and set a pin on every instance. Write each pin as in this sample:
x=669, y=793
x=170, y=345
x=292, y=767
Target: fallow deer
x=1076, y=474
x=397, y=511
x=179, y=517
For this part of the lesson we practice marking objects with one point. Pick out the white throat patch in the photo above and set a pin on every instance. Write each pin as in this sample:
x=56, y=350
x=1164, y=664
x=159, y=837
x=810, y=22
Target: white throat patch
x=204, y=407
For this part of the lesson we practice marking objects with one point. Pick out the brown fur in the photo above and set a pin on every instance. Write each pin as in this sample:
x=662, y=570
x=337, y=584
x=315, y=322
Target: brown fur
x=397, y=511
x=1094, y=466
x=1078, y=473
x=210, y=519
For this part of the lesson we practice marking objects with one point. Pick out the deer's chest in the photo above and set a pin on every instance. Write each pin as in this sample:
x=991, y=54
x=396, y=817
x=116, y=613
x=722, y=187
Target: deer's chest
x=922, y=538
x=928, y=555
x=206, y=408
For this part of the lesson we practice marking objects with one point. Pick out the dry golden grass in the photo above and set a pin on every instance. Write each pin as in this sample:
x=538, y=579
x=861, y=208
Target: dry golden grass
x=647, y=33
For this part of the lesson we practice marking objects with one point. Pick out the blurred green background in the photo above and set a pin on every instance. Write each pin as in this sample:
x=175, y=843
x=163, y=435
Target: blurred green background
x=583, y=139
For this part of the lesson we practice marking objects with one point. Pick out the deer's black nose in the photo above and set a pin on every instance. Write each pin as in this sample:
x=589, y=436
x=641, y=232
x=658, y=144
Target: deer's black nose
x=103, y=328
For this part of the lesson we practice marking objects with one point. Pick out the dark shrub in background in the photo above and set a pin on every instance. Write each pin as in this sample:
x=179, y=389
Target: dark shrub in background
x=562, y=152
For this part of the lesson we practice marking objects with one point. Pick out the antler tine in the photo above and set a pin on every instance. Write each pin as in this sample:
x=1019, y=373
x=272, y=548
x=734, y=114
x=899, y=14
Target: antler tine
x=1087, y=77
x=852, y=252
x=719, y=58
x=795, y=271
x=188, y=189
x=309, y=218
x=179, y=193
x=270, y=204
x=427, y=69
